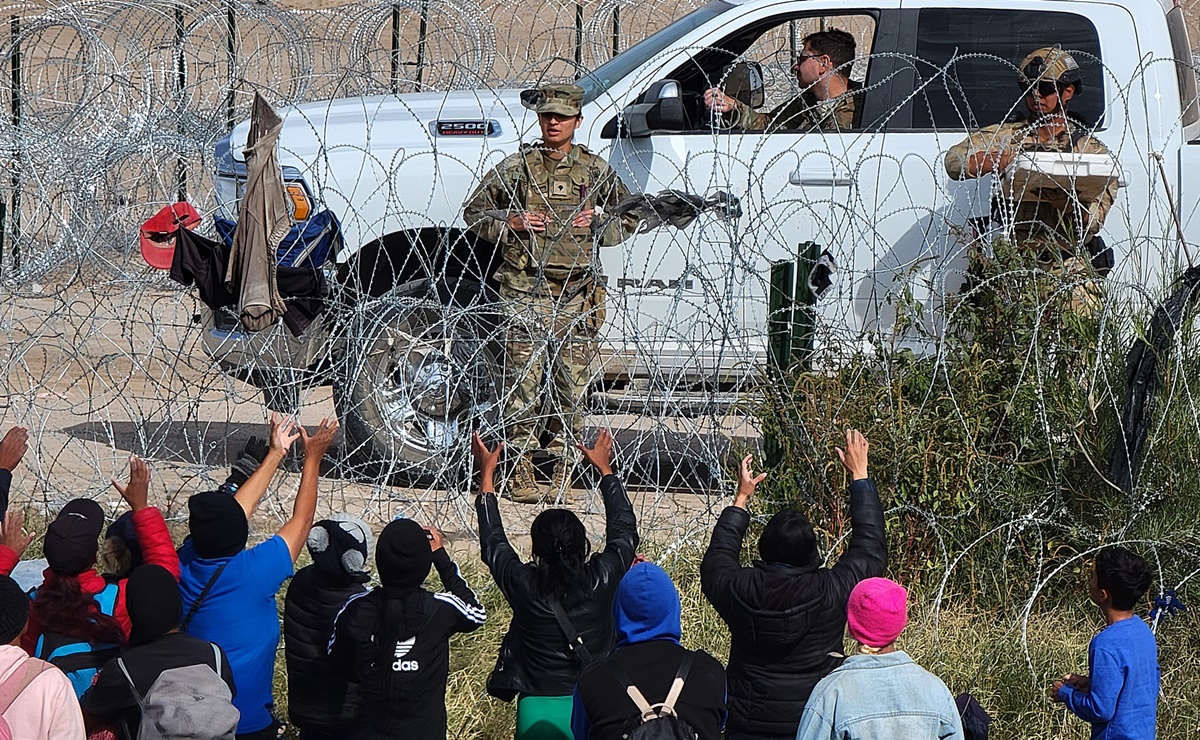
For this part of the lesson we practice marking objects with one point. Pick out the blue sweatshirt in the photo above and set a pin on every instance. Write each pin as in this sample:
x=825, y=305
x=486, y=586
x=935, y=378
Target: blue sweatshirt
x=1122, y=703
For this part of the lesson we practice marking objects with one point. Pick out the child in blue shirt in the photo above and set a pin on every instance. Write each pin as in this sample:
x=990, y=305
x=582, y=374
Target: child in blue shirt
x=1120, y=695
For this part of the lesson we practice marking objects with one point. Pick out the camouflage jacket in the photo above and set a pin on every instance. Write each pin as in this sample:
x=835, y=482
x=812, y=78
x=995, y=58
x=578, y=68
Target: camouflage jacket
x=531, y=181
x=1047, y=214
x=803, y=113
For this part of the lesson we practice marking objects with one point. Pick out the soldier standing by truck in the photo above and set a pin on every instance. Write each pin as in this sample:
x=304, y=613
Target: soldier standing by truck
x=1058, y=228
x=543, y=207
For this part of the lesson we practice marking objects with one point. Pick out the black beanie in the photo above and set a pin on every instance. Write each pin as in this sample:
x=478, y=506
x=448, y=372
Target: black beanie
x=788, y=538
x=218, y=525
x=14, y=609
x=152, y=599
x=71, y=539
x=402, y=555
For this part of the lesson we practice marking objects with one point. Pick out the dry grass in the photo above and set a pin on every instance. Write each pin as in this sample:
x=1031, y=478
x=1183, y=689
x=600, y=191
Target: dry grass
x=1006, y=661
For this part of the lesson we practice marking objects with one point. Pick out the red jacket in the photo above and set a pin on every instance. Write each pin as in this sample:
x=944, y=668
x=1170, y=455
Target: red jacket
x=157, y=549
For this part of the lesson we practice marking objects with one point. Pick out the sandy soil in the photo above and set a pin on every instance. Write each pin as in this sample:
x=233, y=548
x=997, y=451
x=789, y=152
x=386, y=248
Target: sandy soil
x=116, y=369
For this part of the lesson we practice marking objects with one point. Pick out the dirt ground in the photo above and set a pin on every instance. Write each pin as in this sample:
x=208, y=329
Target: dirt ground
x=115, y=368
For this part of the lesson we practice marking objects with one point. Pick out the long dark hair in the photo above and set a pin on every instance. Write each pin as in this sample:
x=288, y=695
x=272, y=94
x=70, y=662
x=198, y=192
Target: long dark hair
x=61, y=607
x=560, y=550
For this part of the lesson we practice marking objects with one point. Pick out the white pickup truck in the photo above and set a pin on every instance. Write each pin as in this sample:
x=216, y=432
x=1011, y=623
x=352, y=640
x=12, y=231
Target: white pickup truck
x=405, y=337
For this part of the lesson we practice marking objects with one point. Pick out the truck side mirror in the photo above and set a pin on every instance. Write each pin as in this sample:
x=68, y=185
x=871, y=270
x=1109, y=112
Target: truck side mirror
x=660, y=108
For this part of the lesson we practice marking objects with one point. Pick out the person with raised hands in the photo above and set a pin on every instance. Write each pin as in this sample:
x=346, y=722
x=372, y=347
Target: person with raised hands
x=78, y=618
x=561, y=599
x=786, y=613
x=228, y=591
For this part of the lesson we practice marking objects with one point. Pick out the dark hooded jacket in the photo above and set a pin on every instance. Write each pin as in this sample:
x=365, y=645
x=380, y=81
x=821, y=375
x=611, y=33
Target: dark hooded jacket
x=646, y=618
x=395, y=639
x=549, y=664
x=786, y=621
x=319, y=700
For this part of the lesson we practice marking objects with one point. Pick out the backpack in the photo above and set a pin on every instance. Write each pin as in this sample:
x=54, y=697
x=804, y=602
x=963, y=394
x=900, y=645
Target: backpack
x=186, y=702
x=658, y=721
x=14, y=686
x=80, y=659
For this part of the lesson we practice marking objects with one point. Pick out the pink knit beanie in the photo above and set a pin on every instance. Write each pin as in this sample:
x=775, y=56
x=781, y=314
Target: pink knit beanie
x=877, y=612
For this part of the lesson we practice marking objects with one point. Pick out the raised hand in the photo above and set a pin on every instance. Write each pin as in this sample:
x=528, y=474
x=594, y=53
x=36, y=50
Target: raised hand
x=11, y=534
x=318, y=444
x=137, y=492
x=487, y=459
x=283, y=434
x=854, y=456
x=13, y=447
x=436, y=542
x=747, y=481
x=600, y=454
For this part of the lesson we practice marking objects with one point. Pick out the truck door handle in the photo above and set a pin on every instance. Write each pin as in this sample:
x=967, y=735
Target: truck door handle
x=835, y=178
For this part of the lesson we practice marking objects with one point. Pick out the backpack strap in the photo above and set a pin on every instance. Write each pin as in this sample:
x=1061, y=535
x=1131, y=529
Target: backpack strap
x=646, y=708
x=574, y=640
x=20, y=679
x=200, y=599
x=217, y=655
x=677, y=685
x=132, y=686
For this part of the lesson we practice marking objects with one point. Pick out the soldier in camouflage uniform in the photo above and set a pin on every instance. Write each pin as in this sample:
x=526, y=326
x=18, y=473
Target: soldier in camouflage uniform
x=1056, y=227
x=828, y=97
x=543, y=207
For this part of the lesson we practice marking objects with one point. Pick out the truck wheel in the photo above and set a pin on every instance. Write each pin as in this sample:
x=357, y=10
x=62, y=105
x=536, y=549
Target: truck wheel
x=421, y=371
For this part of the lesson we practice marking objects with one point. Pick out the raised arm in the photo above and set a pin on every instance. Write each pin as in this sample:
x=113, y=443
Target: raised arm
x=13, y=541
x=12, y=450
x=497, y=554
x=866, y=555
x=469, y=614
x=148, y=522
x=295, y=530
x=722, y=559
x=283, y=434
x=621, y=536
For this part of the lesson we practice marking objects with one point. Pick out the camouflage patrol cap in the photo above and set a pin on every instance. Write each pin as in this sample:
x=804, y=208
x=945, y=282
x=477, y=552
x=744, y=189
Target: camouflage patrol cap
x=1050, y=64
x=565, y=99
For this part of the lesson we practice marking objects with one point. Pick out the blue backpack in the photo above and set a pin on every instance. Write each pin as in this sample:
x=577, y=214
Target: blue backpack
x=77, y=658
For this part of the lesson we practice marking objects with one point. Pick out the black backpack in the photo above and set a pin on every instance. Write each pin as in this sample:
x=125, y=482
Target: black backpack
x=657, y=721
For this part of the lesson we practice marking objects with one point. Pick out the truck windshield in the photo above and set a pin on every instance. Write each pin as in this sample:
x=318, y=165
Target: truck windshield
x=600, y=79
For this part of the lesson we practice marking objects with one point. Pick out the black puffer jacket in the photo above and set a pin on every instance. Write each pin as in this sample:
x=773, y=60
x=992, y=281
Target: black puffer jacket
x=318, y=700
x=550, y=666
x=786, y=621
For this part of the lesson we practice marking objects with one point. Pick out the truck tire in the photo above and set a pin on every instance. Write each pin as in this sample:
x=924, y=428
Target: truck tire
x=422, y=370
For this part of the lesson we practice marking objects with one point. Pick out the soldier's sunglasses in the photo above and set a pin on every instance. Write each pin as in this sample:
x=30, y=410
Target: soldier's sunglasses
x=802, y=58
x=1044, y=89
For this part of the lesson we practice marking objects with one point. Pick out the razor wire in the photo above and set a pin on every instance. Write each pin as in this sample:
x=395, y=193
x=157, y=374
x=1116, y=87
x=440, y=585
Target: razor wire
x=113, y=109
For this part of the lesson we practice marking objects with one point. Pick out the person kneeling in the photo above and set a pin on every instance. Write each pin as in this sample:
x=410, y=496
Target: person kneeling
x=395, y=639
x=650, y=659
x=881, y=692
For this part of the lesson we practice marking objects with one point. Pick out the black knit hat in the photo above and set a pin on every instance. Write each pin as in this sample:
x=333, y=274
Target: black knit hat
x=152, y=599
x=71, y=539
x=14, y=609
x=402, y=555
x=218, y=525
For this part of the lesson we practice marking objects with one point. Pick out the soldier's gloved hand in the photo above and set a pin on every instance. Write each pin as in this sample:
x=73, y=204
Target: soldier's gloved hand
x=251, y=456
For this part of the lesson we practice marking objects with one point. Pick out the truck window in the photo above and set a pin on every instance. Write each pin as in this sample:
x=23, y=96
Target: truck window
x=774, y=44
x=1185, y=66
x=966, y=63
x=600, y=79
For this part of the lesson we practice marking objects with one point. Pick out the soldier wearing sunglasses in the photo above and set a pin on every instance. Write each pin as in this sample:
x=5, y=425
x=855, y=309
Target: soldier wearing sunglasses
x=1060, y=230
x=826, y=102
